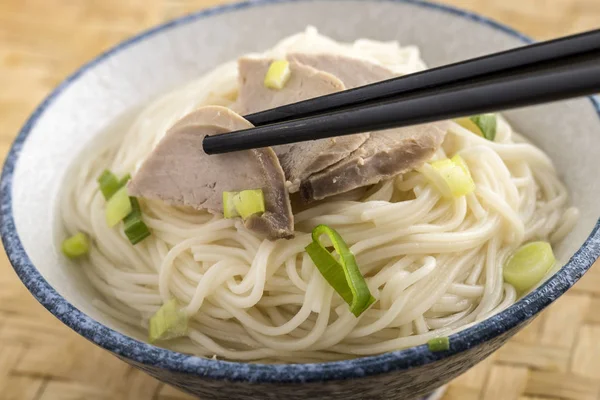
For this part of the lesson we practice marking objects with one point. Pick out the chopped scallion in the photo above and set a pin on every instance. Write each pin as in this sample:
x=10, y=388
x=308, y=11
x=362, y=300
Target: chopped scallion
x=169, y=322
x=343, y=275
x=243, y=204
x=483, y=125
x=249, y=202
x=123, y=181
x=76, y=245
x=456, y=178
x=121, y=207
x=487, y=124
x=117, y=207
x=135, y=228
x=528, y=265
x=439, y=344
x=109, y=184
x=278, y=74
x=229, y=210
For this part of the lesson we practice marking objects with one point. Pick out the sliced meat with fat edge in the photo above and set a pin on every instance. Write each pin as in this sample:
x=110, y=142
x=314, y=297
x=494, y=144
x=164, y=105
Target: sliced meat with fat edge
x=298, y=160
x=384, y=155
x=353, y=72
x=178, y=171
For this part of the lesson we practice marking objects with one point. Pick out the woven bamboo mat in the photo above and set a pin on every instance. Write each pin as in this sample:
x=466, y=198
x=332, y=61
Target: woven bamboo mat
x=41, y=41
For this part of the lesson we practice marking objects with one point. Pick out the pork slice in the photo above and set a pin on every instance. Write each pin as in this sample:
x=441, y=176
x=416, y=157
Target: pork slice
x=304, y=83
x=178, y=172
x=353, y=72
x=298, y=160
x=385, y=154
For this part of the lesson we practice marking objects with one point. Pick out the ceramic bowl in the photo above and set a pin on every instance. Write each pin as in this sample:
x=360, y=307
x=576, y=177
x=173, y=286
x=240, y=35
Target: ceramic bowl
x=157, y=60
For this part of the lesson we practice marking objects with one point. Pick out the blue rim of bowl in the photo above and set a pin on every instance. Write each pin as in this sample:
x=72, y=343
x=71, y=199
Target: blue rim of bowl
x=146, y=355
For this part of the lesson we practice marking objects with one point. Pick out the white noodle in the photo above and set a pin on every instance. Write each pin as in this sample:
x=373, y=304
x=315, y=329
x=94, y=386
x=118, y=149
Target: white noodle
x=434, y=264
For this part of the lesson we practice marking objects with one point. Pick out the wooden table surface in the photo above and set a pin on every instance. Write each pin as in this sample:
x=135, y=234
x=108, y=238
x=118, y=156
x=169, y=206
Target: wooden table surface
x=42, y=41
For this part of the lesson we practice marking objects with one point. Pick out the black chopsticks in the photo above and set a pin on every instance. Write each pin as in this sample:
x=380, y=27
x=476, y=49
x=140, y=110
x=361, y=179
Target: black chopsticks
x=535, y=54
x=539, y=73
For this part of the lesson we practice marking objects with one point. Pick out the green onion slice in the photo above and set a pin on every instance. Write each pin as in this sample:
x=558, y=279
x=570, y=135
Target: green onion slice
x=243, y=204
x=528, y=265
x=117, y=207
x=278, y=74
x=343, y=275
x=487, y=125
x=249, y=202
x=439, y=344
x=135, y=228
x=456, y=177
x=484, y=125
x=229, y=210
x=76, y=245
x=169, y=322
x=123, y=181
x=121, y=207
x=109, y=184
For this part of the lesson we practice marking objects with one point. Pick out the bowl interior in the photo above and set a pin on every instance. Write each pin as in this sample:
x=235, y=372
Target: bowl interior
x=127, y=77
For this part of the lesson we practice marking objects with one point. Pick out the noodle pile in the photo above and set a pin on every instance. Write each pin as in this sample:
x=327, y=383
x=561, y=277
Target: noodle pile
x=434, y=264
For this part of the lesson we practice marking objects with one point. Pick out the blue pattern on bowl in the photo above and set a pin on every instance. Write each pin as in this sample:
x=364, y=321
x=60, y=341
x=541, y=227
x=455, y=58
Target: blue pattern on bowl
x=402, y=374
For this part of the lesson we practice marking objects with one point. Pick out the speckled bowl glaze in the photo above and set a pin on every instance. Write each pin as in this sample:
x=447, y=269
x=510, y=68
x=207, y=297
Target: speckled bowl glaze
x=148, y=64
